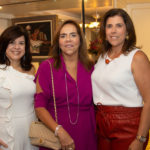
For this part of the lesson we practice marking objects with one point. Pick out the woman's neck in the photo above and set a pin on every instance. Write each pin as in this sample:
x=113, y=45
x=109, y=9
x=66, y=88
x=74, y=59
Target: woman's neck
x=115, y=51
x=70, y=60
x=71, y=64
x=16, y=65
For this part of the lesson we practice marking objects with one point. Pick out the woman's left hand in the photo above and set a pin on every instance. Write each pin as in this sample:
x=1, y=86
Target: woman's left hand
x=136, y=145
x=66, y=140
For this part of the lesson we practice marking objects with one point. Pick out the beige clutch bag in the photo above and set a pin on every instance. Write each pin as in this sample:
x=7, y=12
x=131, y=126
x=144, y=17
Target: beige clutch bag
x=40, y=135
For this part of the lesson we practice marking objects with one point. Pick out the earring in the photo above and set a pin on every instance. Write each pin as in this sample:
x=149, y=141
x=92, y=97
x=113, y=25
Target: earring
x=127, y=37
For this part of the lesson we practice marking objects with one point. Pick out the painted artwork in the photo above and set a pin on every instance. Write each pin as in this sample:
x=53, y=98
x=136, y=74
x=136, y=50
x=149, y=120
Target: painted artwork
x=41, y=30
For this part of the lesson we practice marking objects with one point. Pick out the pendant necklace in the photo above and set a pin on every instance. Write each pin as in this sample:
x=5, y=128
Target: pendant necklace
x=108, y=59
x=77, y=116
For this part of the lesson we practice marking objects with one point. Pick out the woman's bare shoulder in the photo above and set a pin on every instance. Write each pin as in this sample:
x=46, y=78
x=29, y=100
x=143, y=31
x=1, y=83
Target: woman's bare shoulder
x=32, y=71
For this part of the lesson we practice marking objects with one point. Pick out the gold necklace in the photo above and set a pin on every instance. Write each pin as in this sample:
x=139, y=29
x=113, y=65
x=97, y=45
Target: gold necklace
x=75, y=122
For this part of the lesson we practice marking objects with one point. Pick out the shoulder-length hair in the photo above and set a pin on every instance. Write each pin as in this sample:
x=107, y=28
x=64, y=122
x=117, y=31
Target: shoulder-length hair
x=10, y=34
x=83, y=55
x=130, y=42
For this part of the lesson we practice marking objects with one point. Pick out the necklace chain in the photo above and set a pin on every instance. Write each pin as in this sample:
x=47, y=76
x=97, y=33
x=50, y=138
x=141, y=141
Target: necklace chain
x=76, y=120
x=108, y=59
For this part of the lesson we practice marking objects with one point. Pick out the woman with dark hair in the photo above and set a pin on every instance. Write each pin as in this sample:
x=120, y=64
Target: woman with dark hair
x=121, y=84
x=16, y=90
x=73, y=91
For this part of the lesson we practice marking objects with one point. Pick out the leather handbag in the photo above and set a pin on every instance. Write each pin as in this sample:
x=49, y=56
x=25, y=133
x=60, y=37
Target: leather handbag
x=40, y=134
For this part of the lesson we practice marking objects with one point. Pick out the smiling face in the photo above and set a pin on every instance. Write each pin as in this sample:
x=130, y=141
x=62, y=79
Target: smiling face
x=69, y=40
x=16, y=49
x=116, y=31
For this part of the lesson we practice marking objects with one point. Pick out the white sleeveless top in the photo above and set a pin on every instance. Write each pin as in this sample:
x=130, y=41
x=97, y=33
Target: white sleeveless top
x=113, y=83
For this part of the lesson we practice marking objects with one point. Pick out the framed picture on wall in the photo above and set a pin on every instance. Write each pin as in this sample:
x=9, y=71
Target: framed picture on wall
x=41, y=31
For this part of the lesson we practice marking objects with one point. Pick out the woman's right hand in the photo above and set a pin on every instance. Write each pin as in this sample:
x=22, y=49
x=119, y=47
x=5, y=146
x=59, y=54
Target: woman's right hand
x=66, y=141
x=3, y=144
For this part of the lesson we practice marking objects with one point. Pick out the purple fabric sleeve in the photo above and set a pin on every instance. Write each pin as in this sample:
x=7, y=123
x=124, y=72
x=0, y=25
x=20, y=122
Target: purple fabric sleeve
x=40, y=100
x=44, y=77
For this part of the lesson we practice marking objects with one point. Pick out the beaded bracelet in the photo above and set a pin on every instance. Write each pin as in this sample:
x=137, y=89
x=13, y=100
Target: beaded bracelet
x=56, y=130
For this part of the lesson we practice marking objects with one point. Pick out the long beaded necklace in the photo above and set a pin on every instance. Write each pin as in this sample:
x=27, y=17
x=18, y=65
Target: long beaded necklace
x=75, y=122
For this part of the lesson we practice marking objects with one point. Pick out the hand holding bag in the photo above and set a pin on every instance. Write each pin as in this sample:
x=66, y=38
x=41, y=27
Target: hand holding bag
x=41, y=135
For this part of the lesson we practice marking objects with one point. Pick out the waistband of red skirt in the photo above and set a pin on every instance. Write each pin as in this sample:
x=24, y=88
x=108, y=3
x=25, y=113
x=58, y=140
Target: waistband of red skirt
x=117, y=109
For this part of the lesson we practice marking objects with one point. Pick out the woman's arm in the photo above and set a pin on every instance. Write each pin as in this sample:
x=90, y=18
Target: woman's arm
x=3, y=144
x=141, y=73
x=42, y=113
x=46, y=118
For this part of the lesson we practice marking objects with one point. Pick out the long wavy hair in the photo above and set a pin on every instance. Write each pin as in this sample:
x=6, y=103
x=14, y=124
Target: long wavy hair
x=10, y=34
x=83, y=55
x=130, y=42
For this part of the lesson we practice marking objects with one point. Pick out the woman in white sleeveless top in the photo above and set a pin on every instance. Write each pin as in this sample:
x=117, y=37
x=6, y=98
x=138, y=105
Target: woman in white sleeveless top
x=17, y=90
x=121, y=86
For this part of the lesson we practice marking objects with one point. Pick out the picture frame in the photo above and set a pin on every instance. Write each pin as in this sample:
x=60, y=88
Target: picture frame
x=41, y=31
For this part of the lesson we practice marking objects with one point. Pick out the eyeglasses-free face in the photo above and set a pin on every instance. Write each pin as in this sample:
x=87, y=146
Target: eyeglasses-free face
x=16, y=49
x=115, y=31
x=69, y=40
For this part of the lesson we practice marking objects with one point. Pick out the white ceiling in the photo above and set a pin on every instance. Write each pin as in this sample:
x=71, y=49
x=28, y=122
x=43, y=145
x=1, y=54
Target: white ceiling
x=63, y=8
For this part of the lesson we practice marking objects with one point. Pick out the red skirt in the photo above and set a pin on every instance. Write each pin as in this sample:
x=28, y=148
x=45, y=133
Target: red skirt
x=117, y=126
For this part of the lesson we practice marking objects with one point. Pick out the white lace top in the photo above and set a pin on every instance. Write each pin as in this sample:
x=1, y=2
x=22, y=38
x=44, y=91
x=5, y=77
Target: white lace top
x=16, y=101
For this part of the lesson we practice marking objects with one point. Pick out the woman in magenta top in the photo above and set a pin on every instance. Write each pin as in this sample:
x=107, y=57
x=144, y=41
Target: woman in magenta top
x=72, y=81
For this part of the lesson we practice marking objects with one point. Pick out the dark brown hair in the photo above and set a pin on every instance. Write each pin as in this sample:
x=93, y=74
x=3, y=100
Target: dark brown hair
x=10, y=34
x=130, y=42
x=83, y=56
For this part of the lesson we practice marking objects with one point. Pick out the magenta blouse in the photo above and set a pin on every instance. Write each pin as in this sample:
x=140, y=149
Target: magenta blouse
x=83, y=132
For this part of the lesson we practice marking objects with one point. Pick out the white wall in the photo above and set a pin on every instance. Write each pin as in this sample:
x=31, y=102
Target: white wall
x=140, y=14
x=5, y=21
